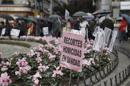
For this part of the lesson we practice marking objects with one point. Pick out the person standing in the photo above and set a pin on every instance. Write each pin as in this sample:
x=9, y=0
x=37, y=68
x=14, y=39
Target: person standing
x=123, y=30
x=8, y=29
x=31, y=29
x=1, y=27
x=56, y=28
x=77, y=24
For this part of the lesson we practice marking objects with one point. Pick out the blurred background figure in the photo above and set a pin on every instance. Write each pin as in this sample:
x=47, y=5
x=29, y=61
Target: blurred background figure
x=1, y=27
x=123, y=30
x=8, y=27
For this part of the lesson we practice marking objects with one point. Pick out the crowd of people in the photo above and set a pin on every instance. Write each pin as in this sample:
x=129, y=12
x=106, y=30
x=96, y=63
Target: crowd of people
x=57, y=26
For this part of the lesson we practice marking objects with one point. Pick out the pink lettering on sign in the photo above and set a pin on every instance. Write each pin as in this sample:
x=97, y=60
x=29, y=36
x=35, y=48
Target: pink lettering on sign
x=72, y=51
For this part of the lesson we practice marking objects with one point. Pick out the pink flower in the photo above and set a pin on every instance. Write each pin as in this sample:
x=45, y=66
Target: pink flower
x=38, y=59
x=35, y=79
x=31, y=53
x=51, y=57
x=18, y=73
x=40, y=48
x=5, y=65
x=23, y=66
x=57, y=41
x=106, y=50
x=42, y=68
x=4, y=68
x=46, y=51
x=88, y=46
x=37, y=38
x=24, y=70
x=57, y=72
x=36, y=82
x=92, y=60
x=87, y=50
x=91, y=41
x=38, y=54
x=50, y=45
x=5, y=79
x=58, y=49
x=22, y=62
x=86, y=62
x=37, y=75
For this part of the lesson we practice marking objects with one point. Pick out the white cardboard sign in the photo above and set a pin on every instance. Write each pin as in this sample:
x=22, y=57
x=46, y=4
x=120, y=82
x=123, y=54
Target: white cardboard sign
x=45, y=30
x=99, y=41
x=15, y=32
x=114, y=35
x=3, y=31
x=107, y=32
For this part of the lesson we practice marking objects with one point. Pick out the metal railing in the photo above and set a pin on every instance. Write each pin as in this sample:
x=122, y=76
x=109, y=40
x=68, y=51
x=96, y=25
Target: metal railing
x=97, y=76
x=120, y=77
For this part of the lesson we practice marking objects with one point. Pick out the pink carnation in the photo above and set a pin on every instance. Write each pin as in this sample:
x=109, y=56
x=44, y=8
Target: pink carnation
x=23, y=66
x=51, y=57
x=42, y=68
x=22, y=62
x=5, y=79
x=57, y=72
x=38, y=59
x=24, y=70
x=35, y=79
x=5, y=65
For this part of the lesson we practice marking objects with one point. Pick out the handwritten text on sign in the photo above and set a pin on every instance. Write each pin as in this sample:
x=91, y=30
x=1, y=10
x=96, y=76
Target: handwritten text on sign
x=72, y=51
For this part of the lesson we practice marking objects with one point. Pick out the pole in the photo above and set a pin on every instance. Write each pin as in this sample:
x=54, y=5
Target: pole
x=51, y=7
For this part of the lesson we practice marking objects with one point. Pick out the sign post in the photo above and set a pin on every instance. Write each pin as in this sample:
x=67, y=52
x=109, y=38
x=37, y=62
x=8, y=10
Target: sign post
x=72, y=51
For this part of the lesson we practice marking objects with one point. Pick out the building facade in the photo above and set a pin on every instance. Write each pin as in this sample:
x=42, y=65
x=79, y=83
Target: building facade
x=120, y=7
x=103, y=4
x=16, y=7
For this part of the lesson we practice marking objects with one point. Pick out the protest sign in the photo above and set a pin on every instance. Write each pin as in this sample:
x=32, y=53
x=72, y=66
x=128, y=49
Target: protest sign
x=3, y=31
x=114, y=35
x=67, y=14
x=45, y=31
x=72, y=51
x=99, y=41
x=15, y=32
x=107, y=32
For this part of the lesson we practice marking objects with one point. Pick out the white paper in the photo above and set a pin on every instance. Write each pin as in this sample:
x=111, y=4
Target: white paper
x=45, y=30
x=15, y=32
x=107, y=32
x=83, y=27
x=67, y=14
x=114, y=35
x=75, y=31
x=3, y=31
x=99, y=41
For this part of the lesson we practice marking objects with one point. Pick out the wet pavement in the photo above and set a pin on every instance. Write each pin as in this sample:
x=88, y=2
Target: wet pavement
x=9, y=50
